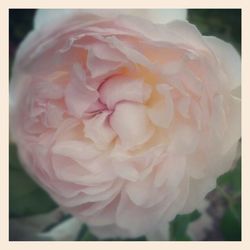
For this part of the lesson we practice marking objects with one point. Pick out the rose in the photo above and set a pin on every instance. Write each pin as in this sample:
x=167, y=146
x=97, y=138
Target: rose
x=126, y=123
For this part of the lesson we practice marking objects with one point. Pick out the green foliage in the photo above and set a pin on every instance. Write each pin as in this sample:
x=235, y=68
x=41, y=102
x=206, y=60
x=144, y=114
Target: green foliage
x=223, y=23
x=232, y=178
x=229, y=186
x=231, y=224
x=26, y=197
x=178, y=227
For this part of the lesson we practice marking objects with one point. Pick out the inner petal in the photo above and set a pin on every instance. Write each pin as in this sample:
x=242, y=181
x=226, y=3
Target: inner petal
x=130, y=122
x=121, y=88
x=98, y=129
x=162, y=112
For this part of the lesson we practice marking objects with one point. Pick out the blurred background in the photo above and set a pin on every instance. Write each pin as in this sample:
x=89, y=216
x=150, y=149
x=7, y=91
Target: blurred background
x=34, y=216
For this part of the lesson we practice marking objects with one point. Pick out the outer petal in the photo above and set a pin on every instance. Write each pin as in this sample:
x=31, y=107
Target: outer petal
x=229, y=59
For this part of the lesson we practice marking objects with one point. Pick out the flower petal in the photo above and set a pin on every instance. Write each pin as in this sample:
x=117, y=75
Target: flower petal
x=77, y=101
x=228, y=57
x=99, y=130
x=130, y=122
x=121, y=88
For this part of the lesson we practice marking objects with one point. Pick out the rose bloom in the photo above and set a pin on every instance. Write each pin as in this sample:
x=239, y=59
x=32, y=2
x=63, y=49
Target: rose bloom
x=125, y=122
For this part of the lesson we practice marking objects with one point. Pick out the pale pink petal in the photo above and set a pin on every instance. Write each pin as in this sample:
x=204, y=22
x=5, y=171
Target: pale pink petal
x=66, y=169
x=99, y=67
x=197, y=114
x=229, y=58
x=198, y=189
x=106, y=216
x=187, y=34
x=161, y=113
x=126, y=170
x=130, y=53
x=127, y=213
x=105, y=52
x=54, y=116
x=184, y=140
x=77, y=101
x=99, y=130
x=218, y=116
x=130, y=122
x=49, y=90
x=76, y=150
x=171, y=171
x=184, y=105
x=233, y=132
x=193, y=84
x=139, y=192
x=122, y=88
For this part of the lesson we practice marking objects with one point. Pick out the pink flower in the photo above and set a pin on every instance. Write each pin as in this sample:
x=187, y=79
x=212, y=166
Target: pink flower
x=125, y=122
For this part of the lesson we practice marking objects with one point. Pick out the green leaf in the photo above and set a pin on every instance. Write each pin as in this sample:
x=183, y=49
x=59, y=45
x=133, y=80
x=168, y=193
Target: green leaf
x=26, y=197
x=230, y=187
x=85, y=235
x=232, y=178
x=230, y=224
x=178, y=227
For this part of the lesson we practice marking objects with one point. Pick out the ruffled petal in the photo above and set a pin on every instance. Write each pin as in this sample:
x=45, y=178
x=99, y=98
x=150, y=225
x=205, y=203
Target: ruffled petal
x=99, y=130
x=184, y=140
x=229, y=58
x=78, y=101
x=77, y=150
x=122, y=88
x=130, y=122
